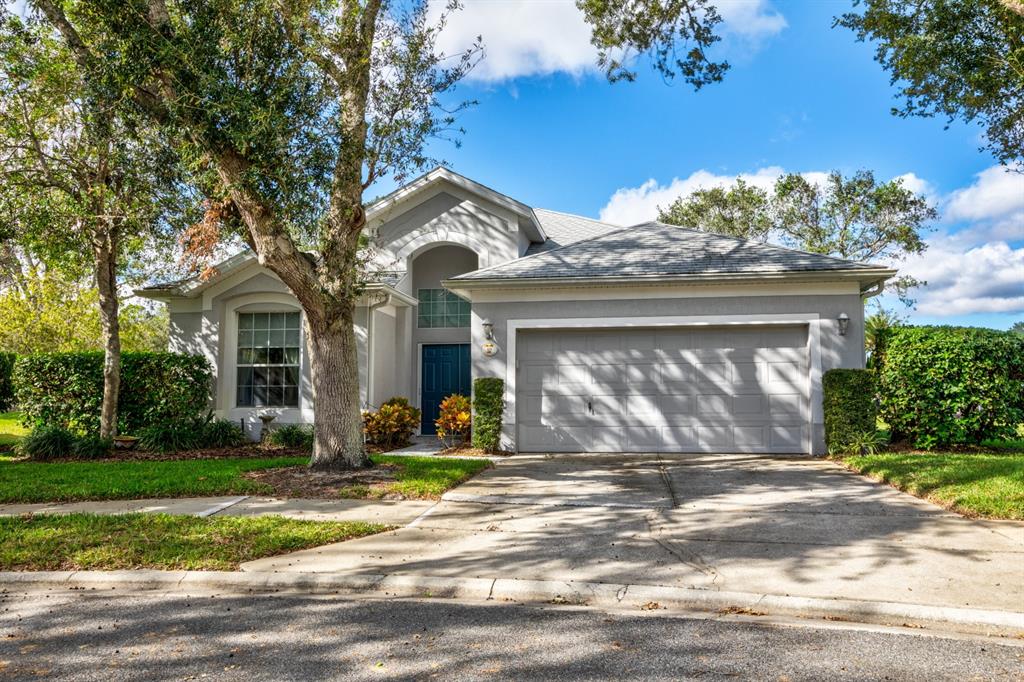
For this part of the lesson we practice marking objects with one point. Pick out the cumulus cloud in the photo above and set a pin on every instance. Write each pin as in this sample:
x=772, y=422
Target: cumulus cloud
x=540, y=38
x=996, y=192
x=980, y=279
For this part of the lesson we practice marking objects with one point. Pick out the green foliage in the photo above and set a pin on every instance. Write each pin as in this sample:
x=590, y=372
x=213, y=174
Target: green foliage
x=488, y=406
x=454, y=420
x=1018, y=328
x=393, y=424
x=943, y=386
x=959, y=59
x=292, y=436
x=47, y=442
x=855, y=218
x=850, y=408
x=875, y=325
x=66, y=389
x=221, y=433
x=91, y=446
x=7, y=380
x=54, y=312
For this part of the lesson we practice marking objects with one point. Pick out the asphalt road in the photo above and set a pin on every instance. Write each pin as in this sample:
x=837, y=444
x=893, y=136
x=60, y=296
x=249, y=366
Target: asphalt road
x=103, y=637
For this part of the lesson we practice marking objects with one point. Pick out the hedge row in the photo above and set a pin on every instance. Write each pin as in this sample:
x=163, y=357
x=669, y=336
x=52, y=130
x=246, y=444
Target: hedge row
x=7, y=381
x=488, y=405
x=66, y=389
x=851, y=411
x=942, y=386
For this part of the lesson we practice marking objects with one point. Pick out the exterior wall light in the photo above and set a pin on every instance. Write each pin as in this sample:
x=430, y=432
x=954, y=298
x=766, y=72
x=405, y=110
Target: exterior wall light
x=844, y=323
x=488, y=329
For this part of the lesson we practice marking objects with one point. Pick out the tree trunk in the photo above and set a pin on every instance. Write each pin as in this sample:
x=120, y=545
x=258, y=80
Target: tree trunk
x=334, y=368
x=105, y=252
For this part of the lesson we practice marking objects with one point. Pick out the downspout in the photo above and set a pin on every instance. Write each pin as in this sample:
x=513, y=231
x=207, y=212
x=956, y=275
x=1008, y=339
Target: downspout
x=370, y=309
x=872, y=290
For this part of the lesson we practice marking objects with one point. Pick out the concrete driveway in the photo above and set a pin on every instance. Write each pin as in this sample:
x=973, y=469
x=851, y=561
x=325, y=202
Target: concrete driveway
x=778, y=525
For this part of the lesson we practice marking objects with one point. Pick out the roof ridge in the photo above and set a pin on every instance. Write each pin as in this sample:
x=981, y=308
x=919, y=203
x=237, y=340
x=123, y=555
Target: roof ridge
x=542, y=253
x=754, y=242
x=576, y=215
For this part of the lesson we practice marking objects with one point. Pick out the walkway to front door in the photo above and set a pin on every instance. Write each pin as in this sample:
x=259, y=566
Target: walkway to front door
x=445, y=371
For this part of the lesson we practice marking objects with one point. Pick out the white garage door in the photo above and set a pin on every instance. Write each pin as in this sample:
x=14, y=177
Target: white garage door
x=707, y=389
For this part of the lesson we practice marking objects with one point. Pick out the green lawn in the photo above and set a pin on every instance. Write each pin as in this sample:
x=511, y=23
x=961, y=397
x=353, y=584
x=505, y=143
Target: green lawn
x=88, y=541
x=990, y=485
x=11, y=430
x=420, y=477
x=425, y=478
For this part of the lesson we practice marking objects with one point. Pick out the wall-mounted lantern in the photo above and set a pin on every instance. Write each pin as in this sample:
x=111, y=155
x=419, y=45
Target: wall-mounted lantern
x=844, y=323
x=488, y=329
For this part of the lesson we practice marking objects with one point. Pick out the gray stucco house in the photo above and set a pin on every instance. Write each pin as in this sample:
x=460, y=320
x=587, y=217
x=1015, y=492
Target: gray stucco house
x=638, y=339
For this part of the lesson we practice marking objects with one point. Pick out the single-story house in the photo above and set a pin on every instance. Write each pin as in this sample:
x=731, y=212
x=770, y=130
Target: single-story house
x=647, y=338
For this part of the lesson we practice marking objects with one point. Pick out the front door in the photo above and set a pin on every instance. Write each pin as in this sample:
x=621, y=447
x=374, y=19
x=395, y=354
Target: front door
x=445, y=371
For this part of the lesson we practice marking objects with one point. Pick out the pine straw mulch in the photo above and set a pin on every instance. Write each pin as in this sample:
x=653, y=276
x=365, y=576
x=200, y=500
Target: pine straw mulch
x=300, y=481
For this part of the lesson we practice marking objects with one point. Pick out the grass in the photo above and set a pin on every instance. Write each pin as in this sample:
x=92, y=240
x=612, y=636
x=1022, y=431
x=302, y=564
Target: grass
x=11, y=431
x=989, y=485
x=417, y=477
x=421, y=478
x=130, y=541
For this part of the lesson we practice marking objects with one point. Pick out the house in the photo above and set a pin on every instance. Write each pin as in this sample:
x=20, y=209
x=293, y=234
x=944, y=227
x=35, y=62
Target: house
x=626, y=339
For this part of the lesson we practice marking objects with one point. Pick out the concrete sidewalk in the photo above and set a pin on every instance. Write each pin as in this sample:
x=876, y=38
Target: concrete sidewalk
x=392, y=513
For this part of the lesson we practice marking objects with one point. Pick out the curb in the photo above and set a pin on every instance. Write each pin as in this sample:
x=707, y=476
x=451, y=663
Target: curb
x=600, y=595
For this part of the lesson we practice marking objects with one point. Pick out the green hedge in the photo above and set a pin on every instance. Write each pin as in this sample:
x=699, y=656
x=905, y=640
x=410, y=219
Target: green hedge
x=66, y=389
x=942, y=386
x=851, y=412
x=488, y=405
x=7, y=381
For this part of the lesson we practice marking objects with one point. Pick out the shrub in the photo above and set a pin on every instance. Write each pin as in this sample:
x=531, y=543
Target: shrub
x=292, y=436
x=942, y=386
x=91, y=446
x=488, y=405
x=170, y=437
x=47, y=442
x=393, y=424
x=221, y=433
x=7, y=381
x=850, y=408
x=66, y=389
x=454, y=421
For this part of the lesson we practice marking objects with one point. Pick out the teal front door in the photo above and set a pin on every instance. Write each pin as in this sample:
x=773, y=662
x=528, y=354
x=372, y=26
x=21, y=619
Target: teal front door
x=445, y=371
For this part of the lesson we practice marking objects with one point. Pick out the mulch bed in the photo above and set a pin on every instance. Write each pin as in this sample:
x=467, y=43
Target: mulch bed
x=300, y=481
x=254, y=451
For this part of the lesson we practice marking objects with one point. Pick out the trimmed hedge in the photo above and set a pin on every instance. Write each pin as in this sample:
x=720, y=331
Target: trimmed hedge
x=488, y=405
x=943, y=386
x=6, y=381
x=66, y=389
x=851, y=412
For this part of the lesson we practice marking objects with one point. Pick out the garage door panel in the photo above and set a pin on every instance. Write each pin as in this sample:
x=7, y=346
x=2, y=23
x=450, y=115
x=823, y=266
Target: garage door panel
x=663, y=390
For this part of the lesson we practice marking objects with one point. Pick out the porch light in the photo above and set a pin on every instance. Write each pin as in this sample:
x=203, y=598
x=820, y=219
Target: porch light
x=488, y=329
x=844, y=323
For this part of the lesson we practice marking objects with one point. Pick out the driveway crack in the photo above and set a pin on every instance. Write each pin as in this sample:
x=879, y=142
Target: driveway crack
x=684, y=555
x=667, y=479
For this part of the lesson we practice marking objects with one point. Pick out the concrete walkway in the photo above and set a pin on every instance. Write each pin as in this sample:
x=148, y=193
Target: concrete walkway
x=392, y=513
x=800, y=527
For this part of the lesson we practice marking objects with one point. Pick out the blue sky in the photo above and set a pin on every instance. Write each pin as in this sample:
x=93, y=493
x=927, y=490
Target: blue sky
x=801, y=97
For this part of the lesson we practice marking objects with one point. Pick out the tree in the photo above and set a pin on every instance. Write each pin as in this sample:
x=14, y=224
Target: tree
x=955, y=58
x=80, y=181
x=289, y=110
x=48, y=311
x=855, y=218
x=875, y=325
x=739, y=211
x=1018, y=327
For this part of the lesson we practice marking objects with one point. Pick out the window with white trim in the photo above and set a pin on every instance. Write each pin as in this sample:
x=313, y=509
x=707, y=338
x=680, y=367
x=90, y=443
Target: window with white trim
x=441, y=308
x=268, y=360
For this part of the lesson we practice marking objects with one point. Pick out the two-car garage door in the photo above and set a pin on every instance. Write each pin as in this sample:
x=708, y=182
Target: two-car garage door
x=698, y=389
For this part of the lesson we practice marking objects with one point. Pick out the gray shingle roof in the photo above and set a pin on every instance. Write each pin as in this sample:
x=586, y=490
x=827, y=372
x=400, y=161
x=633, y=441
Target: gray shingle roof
x=563, y=229
x=657, y=250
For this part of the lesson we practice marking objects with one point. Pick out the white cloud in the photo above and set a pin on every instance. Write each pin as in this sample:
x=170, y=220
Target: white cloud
x=545, y=37
x=981, y=279
x=996, y=192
